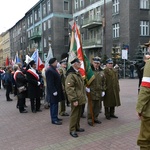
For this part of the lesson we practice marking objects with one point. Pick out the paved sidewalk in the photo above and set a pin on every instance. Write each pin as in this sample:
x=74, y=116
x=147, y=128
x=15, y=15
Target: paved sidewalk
x=35, y=132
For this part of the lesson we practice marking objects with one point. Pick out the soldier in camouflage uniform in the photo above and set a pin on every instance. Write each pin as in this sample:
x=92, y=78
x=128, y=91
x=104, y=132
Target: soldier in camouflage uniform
x=97, y=87
x=143, y=109
x=62, y=71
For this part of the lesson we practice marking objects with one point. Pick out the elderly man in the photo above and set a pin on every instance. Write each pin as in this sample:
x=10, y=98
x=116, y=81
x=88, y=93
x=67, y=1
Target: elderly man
x=97, y=87
x=112, y=98
x=54, y=90
x=75, y=90
x=62, y=71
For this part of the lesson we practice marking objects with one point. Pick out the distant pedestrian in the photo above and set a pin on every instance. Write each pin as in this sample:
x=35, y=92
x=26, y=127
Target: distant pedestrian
x=143, y=109
x=8, y=82
x=132, y=67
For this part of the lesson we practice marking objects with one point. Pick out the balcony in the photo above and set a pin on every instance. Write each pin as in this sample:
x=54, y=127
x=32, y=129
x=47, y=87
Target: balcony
x=92, y=22
x=92, y=43
x=35, y=35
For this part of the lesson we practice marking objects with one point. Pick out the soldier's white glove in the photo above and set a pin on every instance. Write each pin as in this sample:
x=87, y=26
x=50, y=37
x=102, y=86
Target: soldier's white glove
x=103, y=93
x=87, y=90
x=39, y=83
x=55, y=93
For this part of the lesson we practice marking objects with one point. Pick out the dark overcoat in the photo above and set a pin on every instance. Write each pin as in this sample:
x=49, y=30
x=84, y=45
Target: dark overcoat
x=20, y=80
x=33, y=88
x=54, y=84
x=111, y=98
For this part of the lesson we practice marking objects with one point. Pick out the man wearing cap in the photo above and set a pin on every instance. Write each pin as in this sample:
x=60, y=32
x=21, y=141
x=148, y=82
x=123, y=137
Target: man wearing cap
x=75, y=90
x=111, y=98
x=33, y=86
x=143, y=109
x=97, y=87
x=54, y=90
x=62, y=72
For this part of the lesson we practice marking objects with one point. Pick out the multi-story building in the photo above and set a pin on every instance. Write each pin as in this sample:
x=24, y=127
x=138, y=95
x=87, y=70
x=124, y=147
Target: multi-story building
x=48, y=21
x=18, y=39
x=1, y=52
x=5, y=46
x=108, y=26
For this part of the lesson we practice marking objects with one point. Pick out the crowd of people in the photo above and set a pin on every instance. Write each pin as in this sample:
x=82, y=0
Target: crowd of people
x=60, y=86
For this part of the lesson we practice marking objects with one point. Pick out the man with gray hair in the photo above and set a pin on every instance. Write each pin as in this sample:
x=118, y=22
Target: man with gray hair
x=75, y=89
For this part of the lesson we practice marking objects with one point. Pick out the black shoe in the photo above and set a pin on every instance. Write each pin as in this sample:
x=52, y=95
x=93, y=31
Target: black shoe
x=59, y=119
x=80, y=130
x=9, y=99
x=113, y=116
x=24, y=111
x=90, y=123
x=33, y=111
x=108, y=118
x=82, y=116
x=39, y=110
x=97, y=121
x=57, y=122
x=74, y=134
x=65, y=114
x=25, y=106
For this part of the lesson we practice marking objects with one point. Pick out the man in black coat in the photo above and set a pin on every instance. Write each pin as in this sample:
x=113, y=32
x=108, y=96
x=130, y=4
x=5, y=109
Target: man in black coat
x=8, y=82
x=54, y=90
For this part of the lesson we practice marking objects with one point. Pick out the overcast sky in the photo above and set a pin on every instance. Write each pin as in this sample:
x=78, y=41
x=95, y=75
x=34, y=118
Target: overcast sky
x=12, y=11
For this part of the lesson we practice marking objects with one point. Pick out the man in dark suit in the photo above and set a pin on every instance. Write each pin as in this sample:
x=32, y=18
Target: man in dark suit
x=54, y=90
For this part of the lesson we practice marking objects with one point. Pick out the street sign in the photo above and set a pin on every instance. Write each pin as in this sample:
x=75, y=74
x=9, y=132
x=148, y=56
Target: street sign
x=124, y=54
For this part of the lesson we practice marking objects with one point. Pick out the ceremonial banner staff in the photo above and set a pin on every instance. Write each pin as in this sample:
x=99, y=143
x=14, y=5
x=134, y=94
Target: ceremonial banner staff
x=85, y=70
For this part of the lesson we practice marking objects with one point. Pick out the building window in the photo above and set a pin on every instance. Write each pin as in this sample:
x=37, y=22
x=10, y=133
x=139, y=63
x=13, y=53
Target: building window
x=48, y=6
x=66, y=5
x=81, y=3
x=35, y=15
x=31, y=19
x=98, y=12
x=144, y=25
x=44, y=26
x=91, y=14
x=115, y=6
x=82, y=19
x=44, y=9
x=76, y=19
x=76, y=4
x=116, y=30
x=39, y=13
x=66, y=22
x=44, y=42
x=28, y=21
x=66, y=40
x=31, y=32
x=49, y=23
x=144, y=4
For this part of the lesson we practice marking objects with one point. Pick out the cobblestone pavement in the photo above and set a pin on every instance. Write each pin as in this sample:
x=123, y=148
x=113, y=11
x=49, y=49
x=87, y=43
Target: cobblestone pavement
x=35, y=132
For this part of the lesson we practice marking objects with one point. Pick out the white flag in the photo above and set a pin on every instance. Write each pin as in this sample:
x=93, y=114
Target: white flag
x=49, y=56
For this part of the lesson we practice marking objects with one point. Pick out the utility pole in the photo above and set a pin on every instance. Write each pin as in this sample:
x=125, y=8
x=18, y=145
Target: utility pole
x=104, y=27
